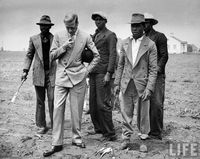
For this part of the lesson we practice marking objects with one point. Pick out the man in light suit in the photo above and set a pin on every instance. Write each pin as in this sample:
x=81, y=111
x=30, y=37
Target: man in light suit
x=135, y=78
x=43, y=71
x=71, y=74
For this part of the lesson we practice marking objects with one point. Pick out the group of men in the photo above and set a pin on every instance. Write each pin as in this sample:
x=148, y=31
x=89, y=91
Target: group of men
x=59, y=69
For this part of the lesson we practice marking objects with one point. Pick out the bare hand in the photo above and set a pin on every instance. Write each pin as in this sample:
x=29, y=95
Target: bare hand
x=146, y=95
x=116, y=90
x=68, y=44
x=107, y=78
x=24, y=76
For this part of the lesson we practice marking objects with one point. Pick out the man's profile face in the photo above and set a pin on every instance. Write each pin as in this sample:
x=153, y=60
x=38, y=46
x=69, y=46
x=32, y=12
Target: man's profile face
x=147, y=26
x=72, y=28
x=137, y=30
x=45, y=29
x=100, y=22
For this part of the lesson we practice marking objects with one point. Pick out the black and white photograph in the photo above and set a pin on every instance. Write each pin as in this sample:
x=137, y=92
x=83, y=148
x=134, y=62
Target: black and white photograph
x=99, y=79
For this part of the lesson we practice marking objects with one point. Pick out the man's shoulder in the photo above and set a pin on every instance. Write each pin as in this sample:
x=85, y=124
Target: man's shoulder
x=109, y=32
x=159, y=34
x=35, y=37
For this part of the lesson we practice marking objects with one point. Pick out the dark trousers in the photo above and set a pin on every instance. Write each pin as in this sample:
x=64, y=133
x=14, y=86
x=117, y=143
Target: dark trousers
x=156, y=107
x=40, y=102
x=100, y=105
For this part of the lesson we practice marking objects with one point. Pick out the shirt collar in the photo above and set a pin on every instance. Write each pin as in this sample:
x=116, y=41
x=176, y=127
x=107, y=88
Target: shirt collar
x=139, y=39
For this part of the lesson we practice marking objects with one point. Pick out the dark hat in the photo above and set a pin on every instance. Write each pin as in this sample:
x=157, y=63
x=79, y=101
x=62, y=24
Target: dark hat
x=149, y=17
x=87, y=55
x=100, y=14
x=45, y=20
x=137, y=18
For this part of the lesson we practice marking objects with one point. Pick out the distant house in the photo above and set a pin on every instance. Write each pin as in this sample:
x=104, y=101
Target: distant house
x=176, y=45
x=193, y=48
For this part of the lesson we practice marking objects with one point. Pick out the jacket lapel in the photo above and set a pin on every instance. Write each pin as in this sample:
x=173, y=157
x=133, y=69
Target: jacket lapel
x=129, y=50
x=76, y=49
x=38, y=46
x=51, y=40
x=142, y=50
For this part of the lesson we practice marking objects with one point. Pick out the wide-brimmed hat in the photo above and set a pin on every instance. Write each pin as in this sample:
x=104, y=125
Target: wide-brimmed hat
x=149, y=17
x=137, y=18
x=100, y=14
x=45, y=20
x=70, y=19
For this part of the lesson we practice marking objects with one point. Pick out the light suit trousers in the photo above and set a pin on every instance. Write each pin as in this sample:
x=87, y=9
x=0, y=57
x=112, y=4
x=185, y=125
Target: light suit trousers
x=76, y=100
x=128, y=101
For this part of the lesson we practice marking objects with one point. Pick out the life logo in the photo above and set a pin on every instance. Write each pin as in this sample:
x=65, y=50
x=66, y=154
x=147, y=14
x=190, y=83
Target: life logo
x=184, y=149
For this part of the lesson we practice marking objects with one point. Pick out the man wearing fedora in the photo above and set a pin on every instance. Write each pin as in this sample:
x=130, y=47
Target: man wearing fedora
x=135, y=79
x=157, y=98
x=71, y=74
x=43, y=71
x=100, y=78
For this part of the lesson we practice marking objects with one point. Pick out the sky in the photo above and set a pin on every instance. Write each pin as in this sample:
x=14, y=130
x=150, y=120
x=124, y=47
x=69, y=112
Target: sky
x=18, y=18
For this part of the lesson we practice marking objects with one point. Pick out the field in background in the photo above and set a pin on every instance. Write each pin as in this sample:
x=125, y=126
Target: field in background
x=17, y=121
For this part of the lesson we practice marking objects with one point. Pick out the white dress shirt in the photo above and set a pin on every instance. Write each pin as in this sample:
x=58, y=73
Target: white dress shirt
x=135, y=47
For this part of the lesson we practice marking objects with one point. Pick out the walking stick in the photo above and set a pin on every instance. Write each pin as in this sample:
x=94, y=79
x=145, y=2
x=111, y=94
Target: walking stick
x=15, y=95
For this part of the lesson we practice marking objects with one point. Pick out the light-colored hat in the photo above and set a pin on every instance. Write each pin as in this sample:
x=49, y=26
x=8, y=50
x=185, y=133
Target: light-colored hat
x=70, y=19
x=149, y=17
x=137, y=18
x=100, y=13
x=45, y=20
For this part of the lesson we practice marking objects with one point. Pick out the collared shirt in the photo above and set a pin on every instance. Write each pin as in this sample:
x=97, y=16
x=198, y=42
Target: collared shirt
x=135, y=47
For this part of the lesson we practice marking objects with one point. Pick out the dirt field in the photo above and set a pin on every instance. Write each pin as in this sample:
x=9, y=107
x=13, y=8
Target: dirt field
x=18, y=137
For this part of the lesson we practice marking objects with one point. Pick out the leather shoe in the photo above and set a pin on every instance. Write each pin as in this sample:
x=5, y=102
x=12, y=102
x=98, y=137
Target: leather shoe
x=81, y=145
x=157, y=137
x=42, y=130
x=53, y=150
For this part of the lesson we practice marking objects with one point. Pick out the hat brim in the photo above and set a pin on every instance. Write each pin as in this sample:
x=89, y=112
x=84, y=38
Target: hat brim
x=153, y=21
x=96, y=14
x=51, y=24
x=136, y=22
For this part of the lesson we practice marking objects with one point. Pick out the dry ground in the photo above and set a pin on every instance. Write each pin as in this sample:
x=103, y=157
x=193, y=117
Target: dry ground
x=17, y=126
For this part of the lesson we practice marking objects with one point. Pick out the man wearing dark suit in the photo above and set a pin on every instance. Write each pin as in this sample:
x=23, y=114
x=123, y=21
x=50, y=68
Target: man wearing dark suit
x=71, y=73
x=43, y=71
x=135, y=79
x=100, y=78
x=157, y=98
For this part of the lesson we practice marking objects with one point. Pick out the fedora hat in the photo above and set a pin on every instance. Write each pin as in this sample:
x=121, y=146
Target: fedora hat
x=45, y=20
x=137, y=18
x=100, y=14
x=149, y=17
x=70, y=19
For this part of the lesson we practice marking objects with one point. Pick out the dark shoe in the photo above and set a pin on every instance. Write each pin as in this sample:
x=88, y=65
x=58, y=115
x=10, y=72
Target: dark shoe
x=157, y=137
x=81, y=145
x=53, y=150
x=94, y=132
x=109, y=138
x=42, y=130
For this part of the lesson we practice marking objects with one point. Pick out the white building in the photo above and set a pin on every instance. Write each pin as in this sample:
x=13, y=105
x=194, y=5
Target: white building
x=176, y=45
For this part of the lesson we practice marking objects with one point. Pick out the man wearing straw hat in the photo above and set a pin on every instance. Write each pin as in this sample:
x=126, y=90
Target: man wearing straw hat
x=71, y=74
x=157, y=98
x=43, y=71
x=135, y=79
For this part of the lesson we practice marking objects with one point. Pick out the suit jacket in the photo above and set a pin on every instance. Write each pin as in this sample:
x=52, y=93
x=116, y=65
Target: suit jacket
x=106, y=44
x=162, y=52
x=143, y=72
x=70, y=70
x=35, y=55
